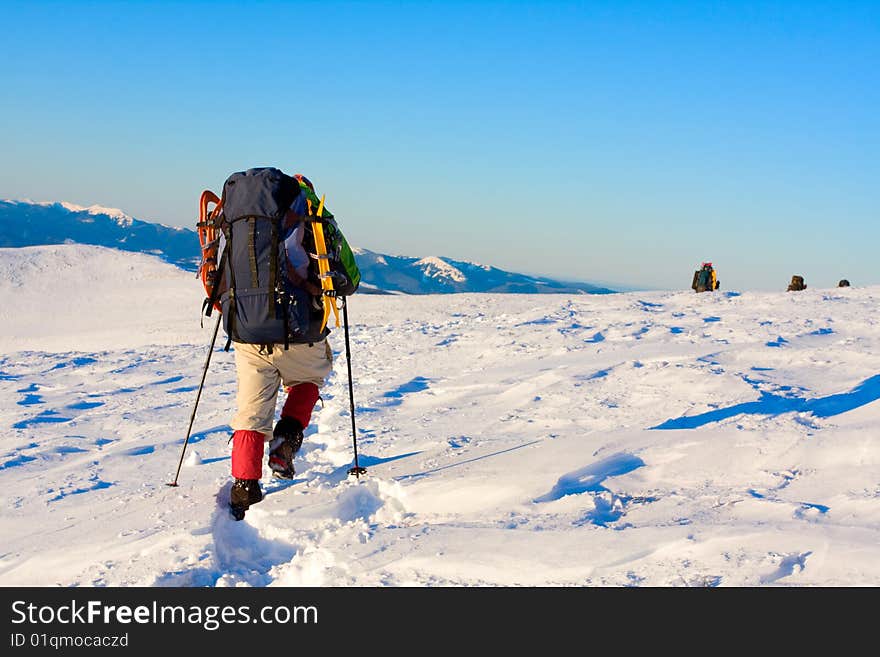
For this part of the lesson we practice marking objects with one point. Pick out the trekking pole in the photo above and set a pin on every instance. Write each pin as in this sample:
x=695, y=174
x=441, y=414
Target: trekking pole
x=357, y=470
x=196, y=405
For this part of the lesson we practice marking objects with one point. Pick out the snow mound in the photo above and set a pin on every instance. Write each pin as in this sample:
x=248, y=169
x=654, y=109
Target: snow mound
x=74, y=296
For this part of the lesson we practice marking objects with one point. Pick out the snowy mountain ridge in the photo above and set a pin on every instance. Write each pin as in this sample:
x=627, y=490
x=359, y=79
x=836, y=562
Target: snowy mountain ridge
x=434, y=267
x=121, y=218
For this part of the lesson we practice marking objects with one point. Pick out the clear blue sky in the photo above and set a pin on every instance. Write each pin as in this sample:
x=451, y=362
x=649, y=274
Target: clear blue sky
x=615, y=141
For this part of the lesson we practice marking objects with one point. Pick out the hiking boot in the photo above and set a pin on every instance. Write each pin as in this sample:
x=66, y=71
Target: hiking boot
x=287, y=438
x=244, y=493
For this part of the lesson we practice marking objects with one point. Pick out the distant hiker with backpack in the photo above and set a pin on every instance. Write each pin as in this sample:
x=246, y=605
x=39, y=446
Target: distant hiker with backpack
x=284, y=263
x=797, y=284
x=705, y=279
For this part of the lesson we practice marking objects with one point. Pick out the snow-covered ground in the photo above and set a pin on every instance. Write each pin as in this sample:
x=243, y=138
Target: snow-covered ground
x=662, y=438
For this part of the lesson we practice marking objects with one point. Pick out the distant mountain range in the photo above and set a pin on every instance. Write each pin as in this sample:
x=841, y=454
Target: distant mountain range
x=434, y=275
x=25, y=223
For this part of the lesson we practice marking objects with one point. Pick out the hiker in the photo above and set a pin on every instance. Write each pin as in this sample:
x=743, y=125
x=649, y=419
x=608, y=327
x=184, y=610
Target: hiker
x=275, y=306
x=797, y=284
x=705, y=279
x=843, y=283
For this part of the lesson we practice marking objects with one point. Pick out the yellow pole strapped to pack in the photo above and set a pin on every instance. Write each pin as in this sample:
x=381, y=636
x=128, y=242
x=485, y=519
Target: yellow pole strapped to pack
x=324, y=267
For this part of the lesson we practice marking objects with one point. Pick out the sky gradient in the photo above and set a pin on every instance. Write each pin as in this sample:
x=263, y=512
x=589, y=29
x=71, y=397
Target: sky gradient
x=618, y=142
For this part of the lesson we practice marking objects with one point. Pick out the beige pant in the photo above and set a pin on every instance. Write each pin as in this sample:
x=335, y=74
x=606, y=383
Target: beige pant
x=260, y=374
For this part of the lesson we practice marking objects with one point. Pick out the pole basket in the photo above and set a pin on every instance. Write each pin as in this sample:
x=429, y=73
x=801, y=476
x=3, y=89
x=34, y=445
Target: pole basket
x=357, y=471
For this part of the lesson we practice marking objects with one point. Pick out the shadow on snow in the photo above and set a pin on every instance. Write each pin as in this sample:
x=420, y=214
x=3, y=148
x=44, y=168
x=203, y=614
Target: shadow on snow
x=609, y=506
x=769, y=404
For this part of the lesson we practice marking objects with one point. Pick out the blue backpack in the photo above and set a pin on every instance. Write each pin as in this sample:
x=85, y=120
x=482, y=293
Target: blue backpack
x=254, y=291
x=264, y=297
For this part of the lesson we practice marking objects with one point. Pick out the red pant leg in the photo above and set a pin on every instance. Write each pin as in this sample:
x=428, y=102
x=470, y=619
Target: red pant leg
x=301, y=400
x=247, y=454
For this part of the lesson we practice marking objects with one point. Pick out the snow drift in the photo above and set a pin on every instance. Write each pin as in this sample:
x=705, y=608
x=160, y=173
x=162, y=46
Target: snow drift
x=662, y=438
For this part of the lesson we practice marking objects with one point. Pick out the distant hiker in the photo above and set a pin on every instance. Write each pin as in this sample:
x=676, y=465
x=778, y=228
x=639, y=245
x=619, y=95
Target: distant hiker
x=797, y=284
x=275, y=306
x=705, y=279
x=843, y=283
